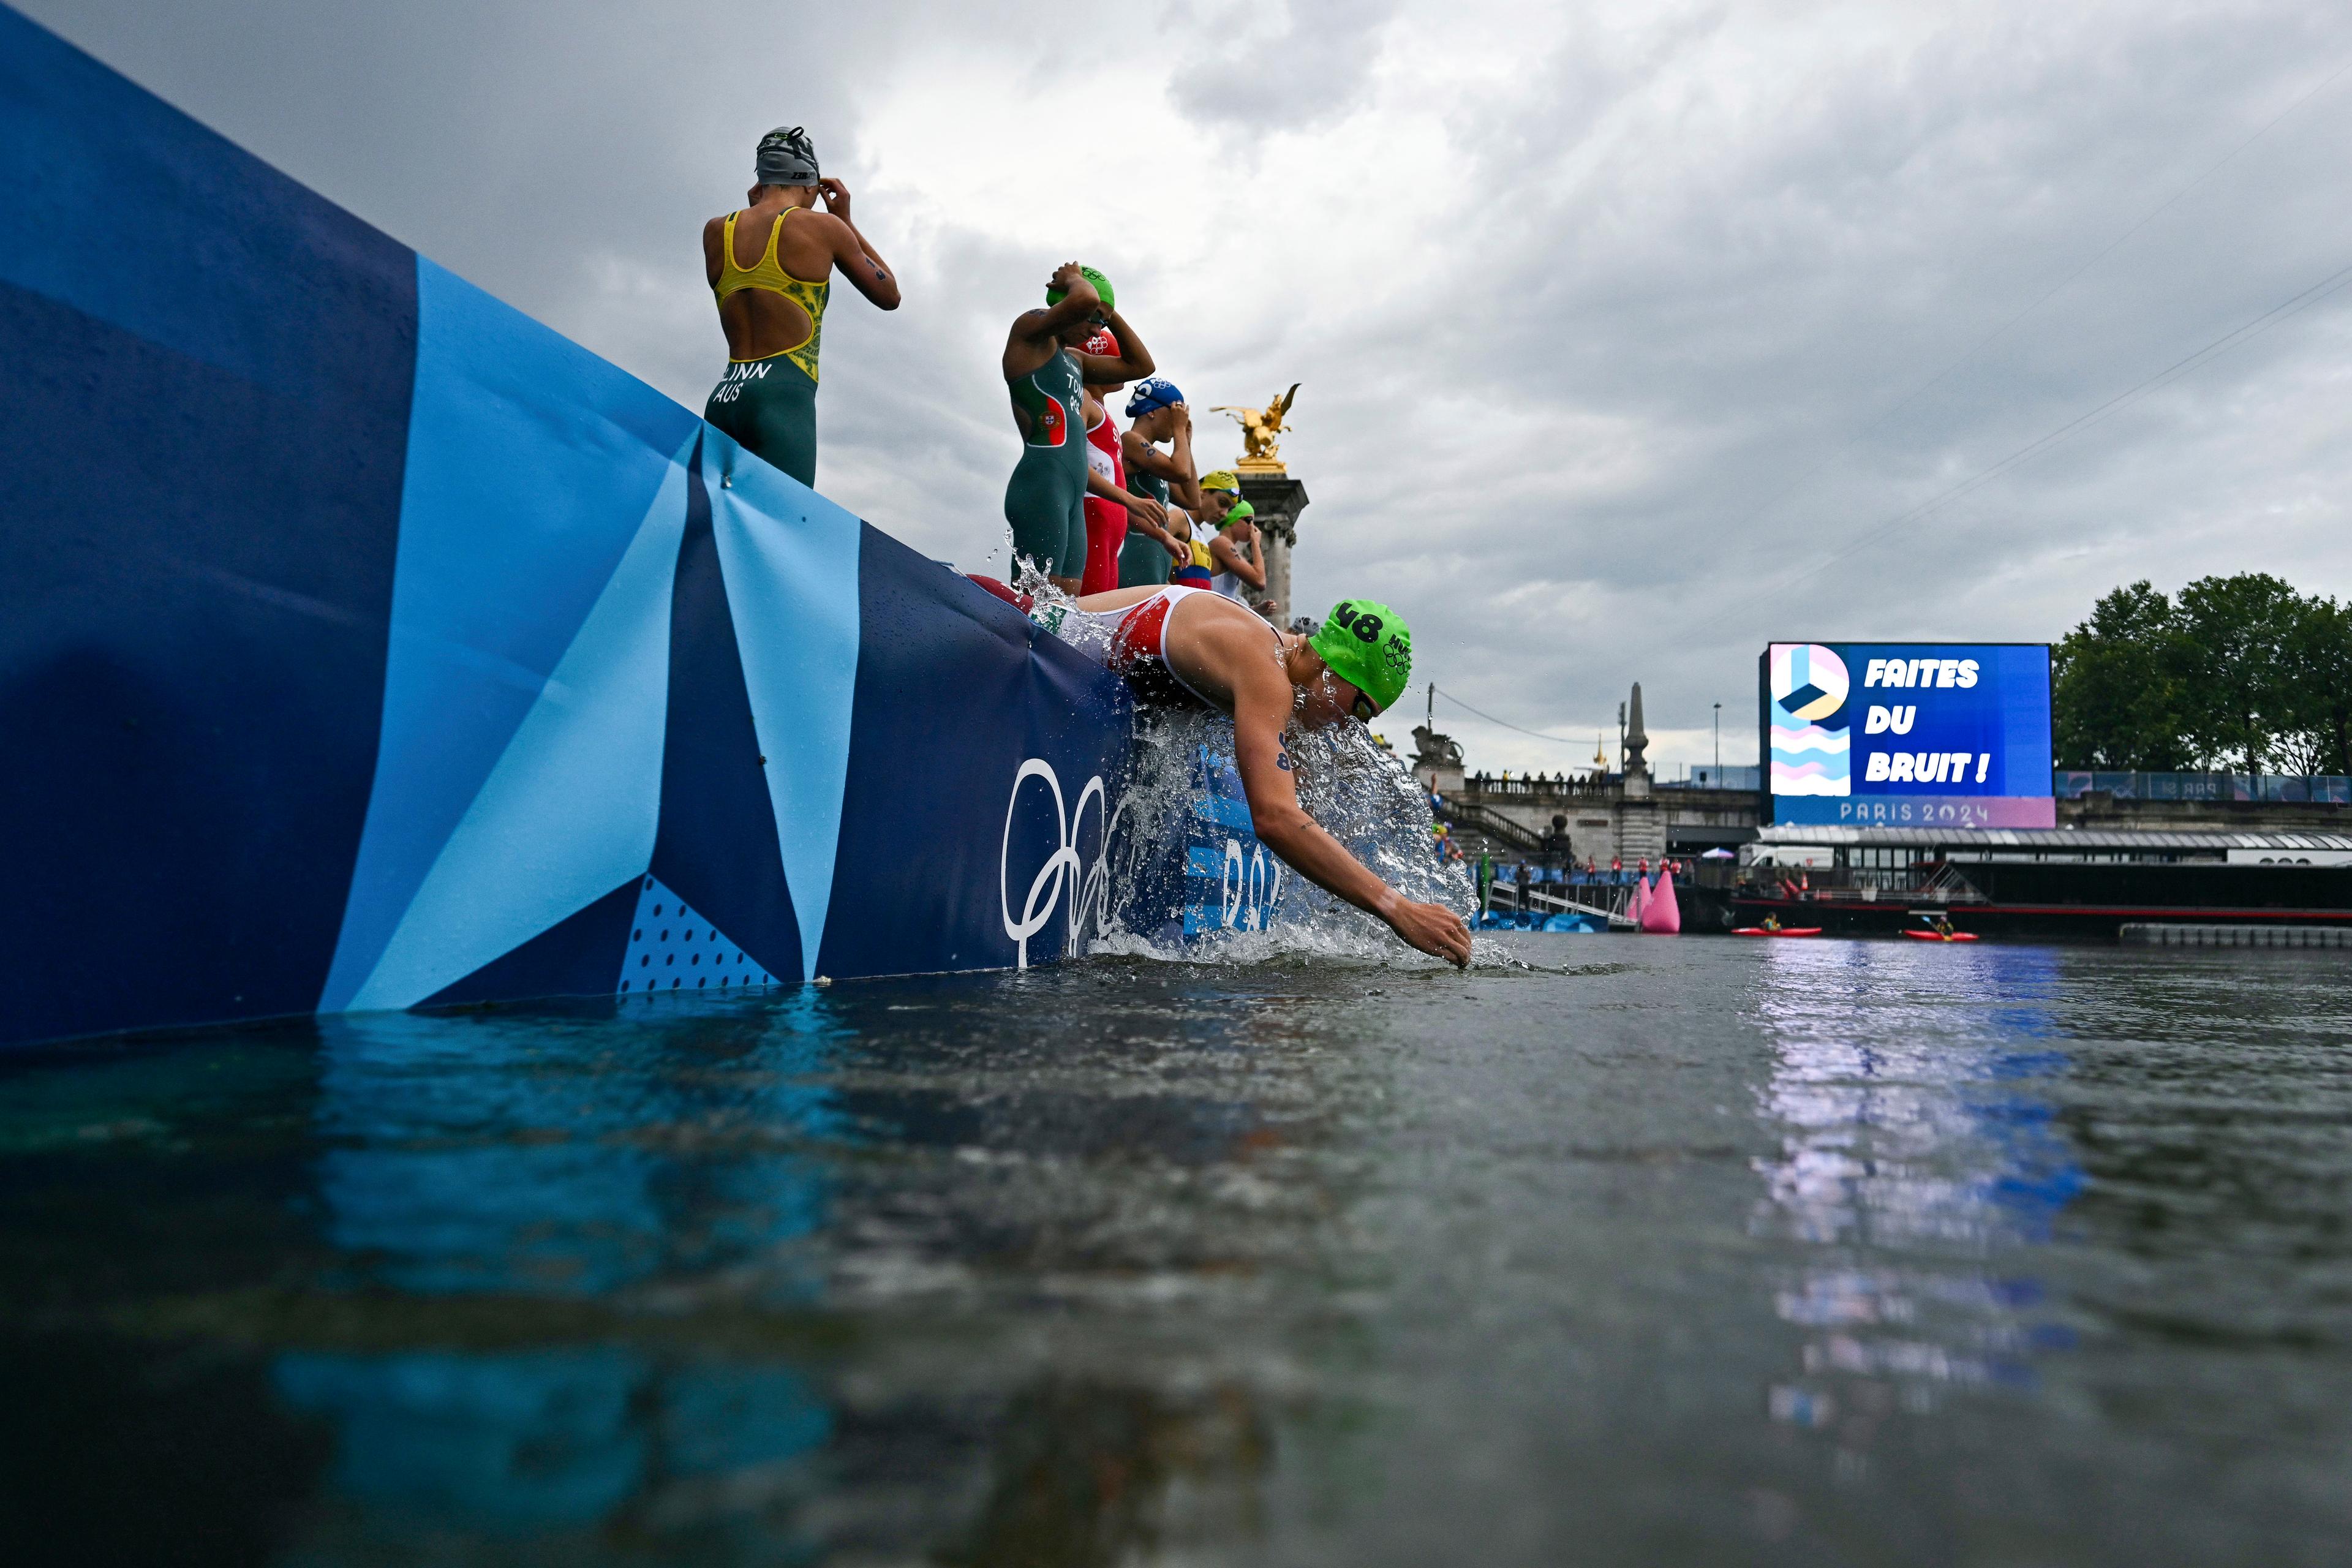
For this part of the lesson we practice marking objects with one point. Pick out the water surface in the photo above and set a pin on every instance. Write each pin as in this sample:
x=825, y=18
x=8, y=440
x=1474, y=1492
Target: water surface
x=1632, y=1251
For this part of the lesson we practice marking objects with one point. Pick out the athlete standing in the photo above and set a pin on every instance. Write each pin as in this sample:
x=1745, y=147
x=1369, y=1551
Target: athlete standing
x=771, y=266
x=1046, y=371
x=1157, y=413
x=1107, y=479
x=1236, y=551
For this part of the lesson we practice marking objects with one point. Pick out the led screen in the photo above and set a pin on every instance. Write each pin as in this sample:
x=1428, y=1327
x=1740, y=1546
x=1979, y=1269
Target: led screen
x=1908, y=734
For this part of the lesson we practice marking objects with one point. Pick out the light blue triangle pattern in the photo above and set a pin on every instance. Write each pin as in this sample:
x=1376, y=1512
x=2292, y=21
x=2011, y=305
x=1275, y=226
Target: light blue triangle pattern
x=516, y=507
x=571, y=810
x=790, y=558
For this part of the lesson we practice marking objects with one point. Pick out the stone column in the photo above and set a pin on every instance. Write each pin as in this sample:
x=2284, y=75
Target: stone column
x=1641, y=826
x=1278, y=500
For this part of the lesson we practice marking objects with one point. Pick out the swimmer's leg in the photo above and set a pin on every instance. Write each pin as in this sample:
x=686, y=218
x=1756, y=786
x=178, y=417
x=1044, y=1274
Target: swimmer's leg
x=769, y=406
x=1071, y=577
x=1039, y=500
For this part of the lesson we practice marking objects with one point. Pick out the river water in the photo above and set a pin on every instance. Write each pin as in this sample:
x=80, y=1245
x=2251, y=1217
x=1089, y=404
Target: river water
x=1612, y=1249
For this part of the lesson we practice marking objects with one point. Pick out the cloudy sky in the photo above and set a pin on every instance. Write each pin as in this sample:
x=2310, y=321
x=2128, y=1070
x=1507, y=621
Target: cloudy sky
x=1632, y=335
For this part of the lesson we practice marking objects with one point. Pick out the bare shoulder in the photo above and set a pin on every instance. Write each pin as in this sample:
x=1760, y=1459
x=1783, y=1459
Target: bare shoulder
x=1233, y=628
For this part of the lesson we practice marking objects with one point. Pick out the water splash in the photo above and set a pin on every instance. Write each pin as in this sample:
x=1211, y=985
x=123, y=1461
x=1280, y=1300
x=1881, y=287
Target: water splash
x=1360, y=793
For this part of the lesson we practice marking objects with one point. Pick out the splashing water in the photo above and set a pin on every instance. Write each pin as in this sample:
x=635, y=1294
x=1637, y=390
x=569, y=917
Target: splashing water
x=1360, y=794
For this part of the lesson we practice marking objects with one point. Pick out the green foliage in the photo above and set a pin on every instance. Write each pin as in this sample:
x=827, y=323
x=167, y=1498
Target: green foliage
x=2241, y=673
x=2115, y=697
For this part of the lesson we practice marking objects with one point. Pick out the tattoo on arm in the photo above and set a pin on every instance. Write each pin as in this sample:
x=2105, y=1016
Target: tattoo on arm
x=1281, y=760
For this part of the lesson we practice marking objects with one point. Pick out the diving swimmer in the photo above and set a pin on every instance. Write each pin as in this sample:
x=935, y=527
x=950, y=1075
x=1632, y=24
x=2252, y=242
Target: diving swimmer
x=1178, y=643
x=772, y=307
x=1046, y=370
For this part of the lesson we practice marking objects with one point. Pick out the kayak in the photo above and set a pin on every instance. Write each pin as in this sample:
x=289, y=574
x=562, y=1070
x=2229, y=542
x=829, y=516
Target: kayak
x=1784, y=931
x=1939, y=936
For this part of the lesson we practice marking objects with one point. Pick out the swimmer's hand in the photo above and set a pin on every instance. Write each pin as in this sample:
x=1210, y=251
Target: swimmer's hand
x=1177, y=551
x=837, y=198
x=1432, y=928
x=1149, y=511
x=1070, y=280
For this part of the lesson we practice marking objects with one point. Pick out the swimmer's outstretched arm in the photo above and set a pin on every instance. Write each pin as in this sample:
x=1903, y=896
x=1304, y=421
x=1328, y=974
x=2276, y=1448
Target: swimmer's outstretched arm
x=1262, y=700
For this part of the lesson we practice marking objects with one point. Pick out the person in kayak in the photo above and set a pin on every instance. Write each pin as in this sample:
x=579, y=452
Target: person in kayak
x=1157, y=413
x=1178, y=644
x=1046, y=371
x=772, y=305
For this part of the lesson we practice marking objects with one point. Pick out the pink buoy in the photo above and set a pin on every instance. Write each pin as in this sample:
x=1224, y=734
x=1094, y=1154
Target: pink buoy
x=1661, y=912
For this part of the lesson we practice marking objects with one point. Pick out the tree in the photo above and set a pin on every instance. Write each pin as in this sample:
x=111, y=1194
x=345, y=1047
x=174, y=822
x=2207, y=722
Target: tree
x=2239, y=672
x=2116, y=698
x=2236, y=688
x=2319, y=673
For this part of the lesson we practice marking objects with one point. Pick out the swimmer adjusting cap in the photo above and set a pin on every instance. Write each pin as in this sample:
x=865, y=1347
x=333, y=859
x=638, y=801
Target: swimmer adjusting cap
x=1150, y=394
x=1102, y=286
x=1367, y=645
x=785, y=157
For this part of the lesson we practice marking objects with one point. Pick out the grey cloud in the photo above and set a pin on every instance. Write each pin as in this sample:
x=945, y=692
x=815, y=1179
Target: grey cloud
x=1247, y=69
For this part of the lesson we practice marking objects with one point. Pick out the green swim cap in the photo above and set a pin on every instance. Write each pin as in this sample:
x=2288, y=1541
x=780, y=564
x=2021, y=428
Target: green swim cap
x=1367, y=645
x=1238, y=510
x=1102, y=286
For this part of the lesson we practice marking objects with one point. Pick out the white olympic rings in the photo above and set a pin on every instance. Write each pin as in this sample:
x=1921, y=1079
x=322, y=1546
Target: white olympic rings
x=1090, y=886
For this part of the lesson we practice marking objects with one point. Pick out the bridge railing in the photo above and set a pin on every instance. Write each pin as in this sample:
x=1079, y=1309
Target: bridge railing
x=2073, y=784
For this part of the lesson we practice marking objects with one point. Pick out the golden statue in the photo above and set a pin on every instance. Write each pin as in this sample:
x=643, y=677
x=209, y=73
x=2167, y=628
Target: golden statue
x=1259, y=428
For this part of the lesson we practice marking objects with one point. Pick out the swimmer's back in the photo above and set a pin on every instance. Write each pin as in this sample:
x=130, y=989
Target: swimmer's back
x=1207, y=636
x=762, y=322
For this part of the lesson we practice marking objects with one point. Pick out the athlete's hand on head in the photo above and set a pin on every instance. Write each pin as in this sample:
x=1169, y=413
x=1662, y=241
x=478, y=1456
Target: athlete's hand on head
x=1066, y=276
x=1434, y=929
x=836, y=197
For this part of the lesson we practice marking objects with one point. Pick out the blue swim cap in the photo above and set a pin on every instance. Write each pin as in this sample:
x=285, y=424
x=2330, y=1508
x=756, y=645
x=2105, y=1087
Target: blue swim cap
x=1149, y=395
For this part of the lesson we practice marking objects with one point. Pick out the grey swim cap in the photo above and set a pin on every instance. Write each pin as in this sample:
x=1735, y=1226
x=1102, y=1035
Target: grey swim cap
x=786, y=158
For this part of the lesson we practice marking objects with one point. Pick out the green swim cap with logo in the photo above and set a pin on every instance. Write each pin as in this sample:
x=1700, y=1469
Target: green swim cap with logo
x=1367, y=645
x=1102, y=286
x=1238, y=510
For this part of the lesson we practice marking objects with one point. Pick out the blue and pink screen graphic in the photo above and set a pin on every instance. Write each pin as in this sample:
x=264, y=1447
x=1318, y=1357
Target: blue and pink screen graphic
x=1908, y=734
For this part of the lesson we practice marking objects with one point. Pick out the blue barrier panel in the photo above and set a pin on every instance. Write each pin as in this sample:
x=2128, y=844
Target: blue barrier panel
x=365, y=643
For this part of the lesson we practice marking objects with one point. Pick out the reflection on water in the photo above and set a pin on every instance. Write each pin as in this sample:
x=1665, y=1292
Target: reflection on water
x=1692, y=1252
x=1920, y=1160
x=744, y=1173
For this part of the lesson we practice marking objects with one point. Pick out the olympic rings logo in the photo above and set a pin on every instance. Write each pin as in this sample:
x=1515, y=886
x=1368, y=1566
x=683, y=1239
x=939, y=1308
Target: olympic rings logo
x=1088, y=885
